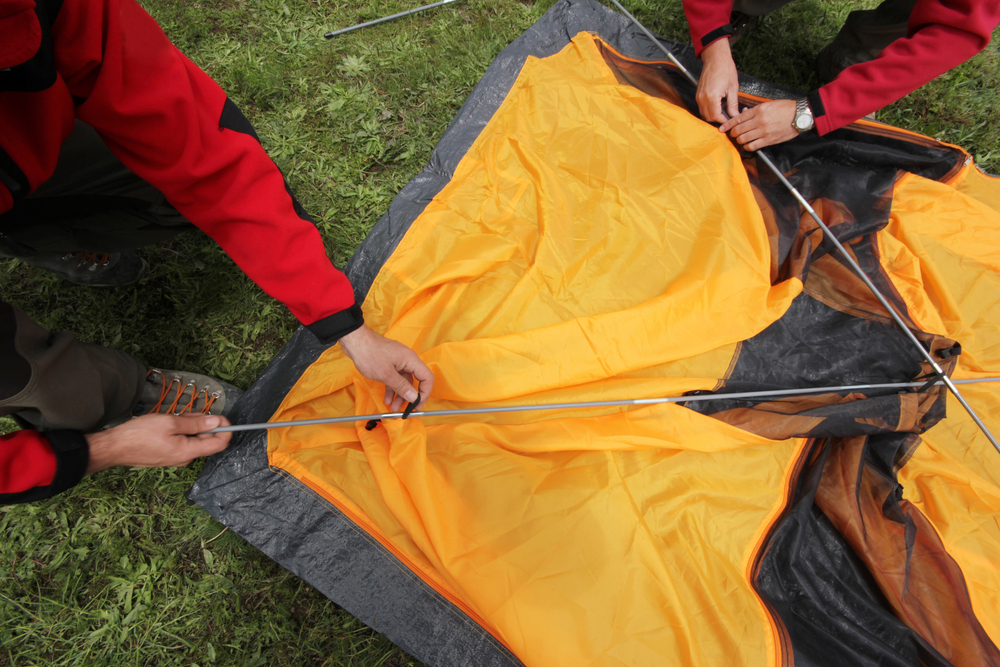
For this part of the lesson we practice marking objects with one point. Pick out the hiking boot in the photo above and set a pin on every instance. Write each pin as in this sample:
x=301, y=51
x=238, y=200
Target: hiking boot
x=181, y=393
x=93, y=269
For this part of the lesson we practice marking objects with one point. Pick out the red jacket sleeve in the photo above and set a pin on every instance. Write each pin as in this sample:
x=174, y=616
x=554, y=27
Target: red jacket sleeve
x=708, y=21
x=940, y=37
x=37, y=465
x=164, y=119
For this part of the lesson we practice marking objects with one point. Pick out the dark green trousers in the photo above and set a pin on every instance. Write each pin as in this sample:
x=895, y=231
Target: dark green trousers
x=53, y=381
x=92, y=203
x=864, y=35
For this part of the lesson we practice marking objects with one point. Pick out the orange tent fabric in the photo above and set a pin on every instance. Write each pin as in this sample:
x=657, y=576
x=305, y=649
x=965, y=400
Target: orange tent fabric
x=597, y=243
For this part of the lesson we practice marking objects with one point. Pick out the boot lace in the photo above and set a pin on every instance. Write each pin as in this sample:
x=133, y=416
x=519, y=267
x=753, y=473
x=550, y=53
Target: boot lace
x=94, y=259
x=177, y=389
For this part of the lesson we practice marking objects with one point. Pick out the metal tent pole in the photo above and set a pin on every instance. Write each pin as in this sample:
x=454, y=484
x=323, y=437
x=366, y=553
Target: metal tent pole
x=840, y=248
x=771, y=393
x=400, y=15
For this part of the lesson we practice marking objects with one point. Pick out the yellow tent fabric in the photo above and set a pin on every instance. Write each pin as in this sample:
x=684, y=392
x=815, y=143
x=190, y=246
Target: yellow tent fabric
x=943, y=251
x=597, y=243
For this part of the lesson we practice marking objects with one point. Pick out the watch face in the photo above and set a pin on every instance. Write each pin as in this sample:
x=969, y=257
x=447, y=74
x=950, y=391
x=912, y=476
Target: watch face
x=802, y=121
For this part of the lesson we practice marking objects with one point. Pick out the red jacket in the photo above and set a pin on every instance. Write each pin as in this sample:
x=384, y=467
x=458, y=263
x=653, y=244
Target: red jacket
x=941, y=35
x=108, y=63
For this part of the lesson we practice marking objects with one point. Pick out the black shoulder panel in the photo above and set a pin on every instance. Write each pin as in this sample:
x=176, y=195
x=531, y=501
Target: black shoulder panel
x=39, y=72
x=233, y=119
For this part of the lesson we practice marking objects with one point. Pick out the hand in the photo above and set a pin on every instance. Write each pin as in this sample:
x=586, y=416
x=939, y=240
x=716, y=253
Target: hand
x=391, y=363
x=766, y=124
x=153, y=441
x=718, y=81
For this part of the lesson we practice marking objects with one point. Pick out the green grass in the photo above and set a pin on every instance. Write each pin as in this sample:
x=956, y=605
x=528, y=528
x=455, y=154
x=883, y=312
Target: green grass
x=121, y=570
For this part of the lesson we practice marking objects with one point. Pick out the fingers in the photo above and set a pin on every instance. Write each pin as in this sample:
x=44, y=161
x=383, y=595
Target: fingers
x=425, y=381
x=745, y=135
x=194, y=424
x=417, y=369
x=190, y=438
x=196, y=442
x=738, y=120
x=713, y=89
x=211, y=422
x=707, y=106
x=748, y=130
x=758, y=144
x=751, y=138
x=404, y=390
x=425, y=384
x=394, y=400
x=765, y=125
x=733, y=101
x=391, y=363
x=204, y=445
x=710, y=106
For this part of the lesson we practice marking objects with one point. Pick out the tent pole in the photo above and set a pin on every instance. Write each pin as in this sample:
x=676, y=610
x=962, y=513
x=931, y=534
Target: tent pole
x=840, y=248
x=771, y=393
x=334, y=33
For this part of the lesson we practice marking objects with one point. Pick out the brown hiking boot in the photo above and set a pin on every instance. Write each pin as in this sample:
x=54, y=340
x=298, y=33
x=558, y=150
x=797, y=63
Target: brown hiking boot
x=182, y=393
x=93, y=269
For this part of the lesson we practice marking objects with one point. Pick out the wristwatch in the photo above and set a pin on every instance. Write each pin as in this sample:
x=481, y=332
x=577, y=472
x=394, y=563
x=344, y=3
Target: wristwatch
x=803, y=121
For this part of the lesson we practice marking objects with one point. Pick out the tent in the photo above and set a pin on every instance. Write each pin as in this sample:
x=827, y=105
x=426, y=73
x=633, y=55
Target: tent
x=579, y=234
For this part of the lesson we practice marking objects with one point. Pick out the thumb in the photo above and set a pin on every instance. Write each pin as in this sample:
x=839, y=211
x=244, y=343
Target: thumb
x=402, y=387
x=206, y=444
x=192, y=425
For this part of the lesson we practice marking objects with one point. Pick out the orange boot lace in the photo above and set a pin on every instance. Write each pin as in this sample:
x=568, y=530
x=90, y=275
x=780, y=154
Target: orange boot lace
x=178, y=390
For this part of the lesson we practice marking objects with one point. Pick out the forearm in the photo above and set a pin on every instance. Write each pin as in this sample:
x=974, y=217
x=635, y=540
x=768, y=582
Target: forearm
x=941, y=35
x=171, y=124
x=156, y=440
x=902, y=67
x=35, y=466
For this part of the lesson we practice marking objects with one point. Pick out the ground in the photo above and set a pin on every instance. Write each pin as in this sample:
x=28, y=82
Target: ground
x=121, y=570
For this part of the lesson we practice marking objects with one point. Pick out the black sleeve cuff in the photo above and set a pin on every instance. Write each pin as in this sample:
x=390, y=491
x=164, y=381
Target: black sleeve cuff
x=816, y=104
x=721, y=31
x=334, y=327
x=72, y=457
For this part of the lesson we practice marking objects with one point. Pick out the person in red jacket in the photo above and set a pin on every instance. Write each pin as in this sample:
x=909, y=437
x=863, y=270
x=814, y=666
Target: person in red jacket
x=110, y=138
x=878, y=57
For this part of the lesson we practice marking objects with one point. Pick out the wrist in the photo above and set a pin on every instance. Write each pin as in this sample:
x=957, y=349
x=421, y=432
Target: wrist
x=802, y=120
x=333, y=327
x=351, y=342
x=717, y=51
x=99, y=445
